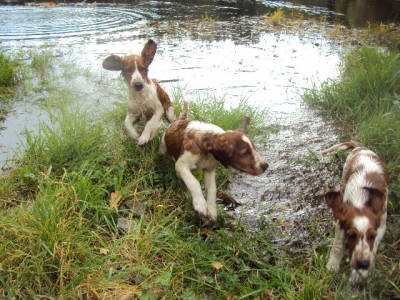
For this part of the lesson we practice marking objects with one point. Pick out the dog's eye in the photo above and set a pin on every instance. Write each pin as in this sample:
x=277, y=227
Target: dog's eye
x=371, y=237
x=128, y=70
x=352, y=236
x=247, y=153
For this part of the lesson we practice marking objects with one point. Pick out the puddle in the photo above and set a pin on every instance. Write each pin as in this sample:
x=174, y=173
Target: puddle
x=229, y=55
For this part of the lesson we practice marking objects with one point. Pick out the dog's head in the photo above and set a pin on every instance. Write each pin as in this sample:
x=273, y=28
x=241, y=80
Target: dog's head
x=360, y=224
x=236, y=149
x=134, y=67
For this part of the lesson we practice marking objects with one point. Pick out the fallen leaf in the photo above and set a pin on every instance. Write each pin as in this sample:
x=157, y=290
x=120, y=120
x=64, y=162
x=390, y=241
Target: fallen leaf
x=115, y=199
x=217, y=265
x=104, y=251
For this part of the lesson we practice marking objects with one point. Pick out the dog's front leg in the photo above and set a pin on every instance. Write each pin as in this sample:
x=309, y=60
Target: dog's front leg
x=336, y=254
x=211, y=192
x=130, y=121
x=193, y=185
x=151, y=127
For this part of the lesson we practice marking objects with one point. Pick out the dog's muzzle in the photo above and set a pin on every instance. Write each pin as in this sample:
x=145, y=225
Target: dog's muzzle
x=138, y=86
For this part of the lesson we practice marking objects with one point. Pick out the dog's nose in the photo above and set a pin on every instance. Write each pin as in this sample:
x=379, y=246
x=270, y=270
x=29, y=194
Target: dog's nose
x=264, y=166
x=362, y=264
x=138, y=86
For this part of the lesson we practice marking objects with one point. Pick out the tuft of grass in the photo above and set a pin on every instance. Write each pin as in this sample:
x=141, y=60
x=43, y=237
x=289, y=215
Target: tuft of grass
x=8, y=71
x=275, y=18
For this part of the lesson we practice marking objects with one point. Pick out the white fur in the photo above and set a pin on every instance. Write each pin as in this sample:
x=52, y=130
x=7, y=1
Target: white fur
x=188, y=162
x=356, y=195
x=143, y=104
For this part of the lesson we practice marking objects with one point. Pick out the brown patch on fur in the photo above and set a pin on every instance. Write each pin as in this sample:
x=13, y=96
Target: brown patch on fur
x=130, y=63
x=174, y=137
x=162, y=96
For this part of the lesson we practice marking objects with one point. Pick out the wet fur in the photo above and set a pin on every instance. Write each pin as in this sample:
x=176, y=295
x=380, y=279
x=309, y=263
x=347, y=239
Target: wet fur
x=196, y=145
x=359, y=207
x=146, y=98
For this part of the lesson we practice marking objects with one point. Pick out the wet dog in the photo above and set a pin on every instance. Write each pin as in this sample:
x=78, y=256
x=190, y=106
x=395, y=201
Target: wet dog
x=197, y=145
x=146, y=99
x=360, y=209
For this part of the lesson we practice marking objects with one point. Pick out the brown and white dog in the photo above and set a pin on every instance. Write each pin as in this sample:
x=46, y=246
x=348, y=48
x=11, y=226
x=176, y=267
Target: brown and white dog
x=146, y=98
x=196, y=145
x=360, y=209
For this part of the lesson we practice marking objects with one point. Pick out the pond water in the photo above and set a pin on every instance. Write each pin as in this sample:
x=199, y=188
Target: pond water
x=220, y=48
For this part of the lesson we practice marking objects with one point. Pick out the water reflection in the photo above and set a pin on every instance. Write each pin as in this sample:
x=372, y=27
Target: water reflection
x=87, y=18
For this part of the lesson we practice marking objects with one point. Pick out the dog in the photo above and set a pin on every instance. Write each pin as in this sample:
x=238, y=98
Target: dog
x=359, y=207
x=196, y=145
x=146, y=98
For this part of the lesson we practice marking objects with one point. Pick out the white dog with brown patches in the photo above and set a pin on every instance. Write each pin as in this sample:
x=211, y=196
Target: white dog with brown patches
x=146, y=98
x=360, y=209
x=200, y=146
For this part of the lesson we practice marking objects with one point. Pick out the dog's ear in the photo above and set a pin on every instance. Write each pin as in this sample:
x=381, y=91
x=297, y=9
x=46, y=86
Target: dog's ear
x=246, y=121
x=148, y=52
x=113, y=63
x=334, y=199
x=221, y=148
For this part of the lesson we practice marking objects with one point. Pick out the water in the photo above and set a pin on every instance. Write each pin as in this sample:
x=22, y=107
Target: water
x=221, y=48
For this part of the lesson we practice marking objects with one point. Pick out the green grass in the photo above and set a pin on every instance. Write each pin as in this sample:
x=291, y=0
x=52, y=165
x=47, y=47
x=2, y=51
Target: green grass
x=365, y=99
x=365, y=102
x=60, y=236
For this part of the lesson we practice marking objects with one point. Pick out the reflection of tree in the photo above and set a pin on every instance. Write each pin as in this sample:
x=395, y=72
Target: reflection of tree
x=359, y=12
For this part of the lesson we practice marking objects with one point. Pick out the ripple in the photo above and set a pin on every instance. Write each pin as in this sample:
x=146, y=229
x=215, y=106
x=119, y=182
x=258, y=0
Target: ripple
x=30, y=23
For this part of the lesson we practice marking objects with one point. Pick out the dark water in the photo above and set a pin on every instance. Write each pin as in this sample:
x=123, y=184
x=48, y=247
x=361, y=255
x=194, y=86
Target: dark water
x=21, y=20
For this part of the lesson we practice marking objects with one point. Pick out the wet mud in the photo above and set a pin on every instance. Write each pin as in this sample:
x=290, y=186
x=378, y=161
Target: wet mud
x=289, y=196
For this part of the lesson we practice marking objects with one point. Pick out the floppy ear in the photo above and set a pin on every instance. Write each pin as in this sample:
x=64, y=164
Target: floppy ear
x=221, y=149
x=148, y=52
x=113, y=63
x=246, y=121
x=334, y=199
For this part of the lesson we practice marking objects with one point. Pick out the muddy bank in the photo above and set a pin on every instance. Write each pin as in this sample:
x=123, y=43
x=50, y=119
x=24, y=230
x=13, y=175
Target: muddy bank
x=289, y=195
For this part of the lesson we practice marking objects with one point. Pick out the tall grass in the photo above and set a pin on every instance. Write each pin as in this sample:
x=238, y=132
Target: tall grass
x=365, y=100
x=366, y=97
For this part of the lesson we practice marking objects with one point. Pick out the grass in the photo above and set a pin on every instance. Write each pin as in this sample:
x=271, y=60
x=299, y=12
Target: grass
x=9, y=79
x=364, y=100
x=61, y=234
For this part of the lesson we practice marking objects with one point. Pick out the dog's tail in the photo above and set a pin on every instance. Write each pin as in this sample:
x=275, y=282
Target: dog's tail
x=343, y=146
x=183, y=114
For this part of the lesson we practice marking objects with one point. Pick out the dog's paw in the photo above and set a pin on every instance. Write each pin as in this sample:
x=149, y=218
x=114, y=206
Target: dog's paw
x=333, y=265
x=200, y=206
x=358, y=275
x=142, y=140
